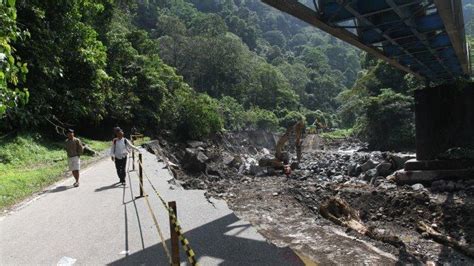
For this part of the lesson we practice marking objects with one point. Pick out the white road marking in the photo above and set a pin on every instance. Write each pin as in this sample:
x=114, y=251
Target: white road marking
x=66, y=261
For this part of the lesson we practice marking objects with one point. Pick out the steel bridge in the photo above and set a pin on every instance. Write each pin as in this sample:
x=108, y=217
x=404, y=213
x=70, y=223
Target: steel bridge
x=423, y=37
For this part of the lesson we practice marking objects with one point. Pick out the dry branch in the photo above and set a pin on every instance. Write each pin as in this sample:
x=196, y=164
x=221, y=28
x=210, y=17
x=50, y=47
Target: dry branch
x=445, y=240
x=338, y=211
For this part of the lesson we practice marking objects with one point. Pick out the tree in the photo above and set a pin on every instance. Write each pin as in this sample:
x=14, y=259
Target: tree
x=257, y=118
x=198, y=115
x=66, y=59
x=275, y=37
x=388, y=121
x=12, y=70
x=233, y=113
x=290, y=119
x=314, y=58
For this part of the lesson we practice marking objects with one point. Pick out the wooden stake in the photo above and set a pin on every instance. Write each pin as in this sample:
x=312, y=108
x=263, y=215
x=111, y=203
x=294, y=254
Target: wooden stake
x=174, y=235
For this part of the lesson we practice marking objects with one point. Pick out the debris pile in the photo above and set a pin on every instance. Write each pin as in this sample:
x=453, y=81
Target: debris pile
x=388, y=214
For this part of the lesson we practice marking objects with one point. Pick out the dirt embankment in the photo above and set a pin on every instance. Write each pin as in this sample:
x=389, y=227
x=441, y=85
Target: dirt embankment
x=286, y=210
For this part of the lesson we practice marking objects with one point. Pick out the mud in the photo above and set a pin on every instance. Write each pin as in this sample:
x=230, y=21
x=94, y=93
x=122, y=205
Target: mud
x=285, y=210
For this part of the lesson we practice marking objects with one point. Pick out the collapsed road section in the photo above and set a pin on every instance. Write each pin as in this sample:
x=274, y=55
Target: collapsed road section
x=341, y=205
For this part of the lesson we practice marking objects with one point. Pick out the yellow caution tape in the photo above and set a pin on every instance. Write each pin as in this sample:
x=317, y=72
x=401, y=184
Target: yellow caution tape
x=155, y=221
x=174, y=220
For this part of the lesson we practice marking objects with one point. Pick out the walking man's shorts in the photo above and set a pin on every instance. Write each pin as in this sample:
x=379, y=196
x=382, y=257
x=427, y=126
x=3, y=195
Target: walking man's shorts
x=74, y=163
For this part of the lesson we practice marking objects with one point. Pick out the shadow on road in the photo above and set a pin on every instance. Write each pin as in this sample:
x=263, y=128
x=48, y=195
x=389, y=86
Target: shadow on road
x=221, y=240
x=60, y=189
x=114, y=185
x=126, y=214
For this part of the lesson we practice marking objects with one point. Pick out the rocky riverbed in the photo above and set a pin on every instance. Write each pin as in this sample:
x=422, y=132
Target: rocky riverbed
x=286, y=209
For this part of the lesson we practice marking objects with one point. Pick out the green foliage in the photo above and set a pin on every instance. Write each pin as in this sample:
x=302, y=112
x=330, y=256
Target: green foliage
x=388, y=121
x=96, y=63
x=237, y=63
x=257, y=118
x=12, y=70
x=338, y=134
x=321, y=119
x=290, y=119
x=233, y=113
x=275, y=37
x=198, y=115
x=66, y=62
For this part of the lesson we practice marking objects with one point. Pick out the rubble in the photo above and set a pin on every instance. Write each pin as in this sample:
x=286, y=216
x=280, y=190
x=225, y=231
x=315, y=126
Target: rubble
x=372, y=183
x=417, y=187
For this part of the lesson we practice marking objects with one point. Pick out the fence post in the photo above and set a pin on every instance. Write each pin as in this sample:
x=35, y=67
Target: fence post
x=140, y=173
x=133, y=154
x=174, y=234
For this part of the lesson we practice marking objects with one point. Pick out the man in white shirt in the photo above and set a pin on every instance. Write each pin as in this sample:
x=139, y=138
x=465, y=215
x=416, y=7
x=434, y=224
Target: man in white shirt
x=119, y=151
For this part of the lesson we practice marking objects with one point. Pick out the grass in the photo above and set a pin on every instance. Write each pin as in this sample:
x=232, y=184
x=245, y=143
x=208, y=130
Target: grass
x=28, y=163
x=141, y=141
x=338, y=134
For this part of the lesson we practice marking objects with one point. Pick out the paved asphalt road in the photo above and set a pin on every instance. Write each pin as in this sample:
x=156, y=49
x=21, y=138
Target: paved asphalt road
x=101, y=223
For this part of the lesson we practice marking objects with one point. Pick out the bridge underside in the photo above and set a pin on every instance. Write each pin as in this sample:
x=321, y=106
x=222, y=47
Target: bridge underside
x=422, y=37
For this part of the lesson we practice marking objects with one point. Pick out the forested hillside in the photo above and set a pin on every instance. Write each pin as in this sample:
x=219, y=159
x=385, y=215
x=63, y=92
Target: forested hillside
x=191, y=67
x=167, y=64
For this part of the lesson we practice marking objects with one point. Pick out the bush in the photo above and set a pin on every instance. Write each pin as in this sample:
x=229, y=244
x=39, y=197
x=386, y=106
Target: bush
x=290, y=119
x=232, y=113
x=388, y=121
x=257, y=118
x=198, y=115
x=318, y=116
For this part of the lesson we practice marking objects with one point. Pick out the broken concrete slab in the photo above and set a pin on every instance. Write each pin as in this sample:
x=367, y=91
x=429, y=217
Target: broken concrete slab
x=427, y=177
x=414, y=164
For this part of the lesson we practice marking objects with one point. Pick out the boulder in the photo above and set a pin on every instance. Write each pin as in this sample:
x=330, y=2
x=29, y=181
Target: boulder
x=376, y=181
x=384, y=169
x=417, y=187
x=372, y=173
x=399, y=159
x=228, y=159
x=194, y=161
x=368, y=165
x=451, y=186
x=353, y=169
x=338, y=178
x=252, y=150
x=256, y=170
x=214, y=171
x=387, y=185
x=265, y=151
x=195, y=144
x=231, y=160
x=201, y=157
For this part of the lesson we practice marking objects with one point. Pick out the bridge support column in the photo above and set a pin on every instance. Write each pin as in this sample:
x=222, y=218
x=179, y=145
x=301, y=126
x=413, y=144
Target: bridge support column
x=444, y=119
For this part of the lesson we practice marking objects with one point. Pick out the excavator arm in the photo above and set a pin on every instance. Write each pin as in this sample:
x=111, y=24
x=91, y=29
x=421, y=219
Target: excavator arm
x=298, y=129
x=281, y=158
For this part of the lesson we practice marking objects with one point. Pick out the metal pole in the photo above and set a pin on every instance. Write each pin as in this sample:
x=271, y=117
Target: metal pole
x=140, y=174
x=133, y=154
x=174, y=235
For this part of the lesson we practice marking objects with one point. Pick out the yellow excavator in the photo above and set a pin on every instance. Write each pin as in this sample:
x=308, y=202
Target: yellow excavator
x=316, y=127
x=282, y=158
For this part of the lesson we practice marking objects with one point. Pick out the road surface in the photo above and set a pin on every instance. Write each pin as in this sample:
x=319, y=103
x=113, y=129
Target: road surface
x=101, y=222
